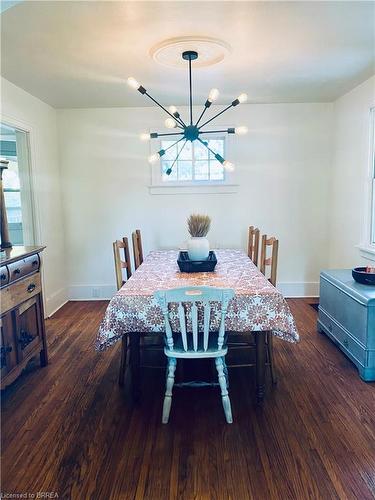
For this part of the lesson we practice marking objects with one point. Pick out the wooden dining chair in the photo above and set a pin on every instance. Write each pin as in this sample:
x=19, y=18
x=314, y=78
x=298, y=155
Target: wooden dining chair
x=121, y=264
x=198, y=344
x=268, y=266
x=137, y=248
x=253, y=244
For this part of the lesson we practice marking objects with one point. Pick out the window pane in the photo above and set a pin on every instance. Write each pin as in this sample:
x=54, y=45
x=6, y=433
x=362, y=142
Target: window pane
x=186, y=151
x=171, y=153
x=185, y=171
x=200, y=151
x=216, y=171
x=201, y=171
x=216, y=145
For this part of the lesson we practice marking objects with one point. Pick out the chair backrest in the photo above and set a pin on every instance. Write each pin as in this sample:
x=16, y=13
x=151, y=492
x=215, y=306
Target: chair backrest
x=194, y=295
x=137, y=248
x=269, y=262
x=253, y=244
x=121, y=264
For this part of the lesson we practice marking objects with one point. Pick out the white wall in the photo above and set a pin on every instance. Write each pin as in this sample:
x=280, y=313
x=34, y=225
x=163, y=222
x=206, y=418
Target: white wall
x=20, y=109
x=283, y=172
x=350, y=168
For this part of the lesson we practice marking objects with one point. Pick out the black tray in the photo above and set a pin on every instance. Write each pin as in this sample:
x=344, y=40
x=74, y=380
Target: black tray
x=360, y=275
x=196, y=266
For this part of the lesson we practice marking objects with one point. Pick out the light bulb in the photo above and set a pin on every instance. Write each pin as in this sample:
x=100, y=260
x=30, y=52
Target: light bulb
x=145, y=137
x=241, y=130
x=229, y=166
x=170, y=123
x=242, y=98
x=213, y=95
x=132, y=82
x=153, y=158
x=172, y=109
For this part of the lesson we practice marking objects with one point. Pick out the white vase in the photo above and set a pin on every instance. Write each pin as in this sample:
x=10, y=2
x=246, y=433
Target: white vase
x=198, y=248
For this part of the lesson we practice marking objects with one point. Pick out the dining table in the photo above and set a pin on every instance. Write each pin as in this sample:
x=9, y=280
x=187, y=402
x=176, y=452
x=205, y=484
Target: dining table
x=257, y=306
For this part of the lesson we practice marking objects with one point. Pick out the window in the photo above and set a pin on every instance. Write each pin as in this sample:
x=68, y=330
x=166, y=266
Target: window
x=195, y=162
x=16, y=184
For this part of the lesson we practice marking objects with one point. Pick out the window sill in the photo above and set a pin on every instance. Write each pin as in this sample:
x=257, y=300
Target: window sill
x=196, y=189
x=368, y=252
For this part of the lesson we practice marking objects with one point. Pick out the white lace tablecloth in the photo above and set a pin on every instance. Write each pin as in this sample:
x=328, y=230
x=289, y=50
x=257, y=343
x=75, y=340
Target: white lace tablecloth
x=257, y=304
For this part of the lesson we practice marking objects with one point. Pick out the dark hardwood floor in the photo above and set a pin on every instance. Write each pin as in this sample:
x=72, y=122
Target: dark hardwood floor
x=68, y=428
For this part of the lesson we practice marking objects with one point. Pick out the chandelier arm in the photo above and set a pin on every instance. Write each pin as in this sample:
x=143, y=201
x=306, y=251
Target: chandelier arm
x=203, y=112
x=213, y=131
x=191, y=94
x=163, y=108
x=171, y=133
x=171, y=146
x=218, y=114
x=207, y=146
x=174, y=161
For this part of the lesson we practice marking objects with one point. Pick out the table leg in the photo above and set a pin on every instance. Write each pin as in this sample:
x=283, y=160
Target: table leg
x=135, y=364
x=260, y=340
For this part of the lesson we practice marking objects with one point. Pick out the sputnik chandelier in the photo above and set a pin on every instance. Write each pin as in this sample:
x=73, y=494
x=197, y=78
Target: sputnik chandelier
x=192, y=131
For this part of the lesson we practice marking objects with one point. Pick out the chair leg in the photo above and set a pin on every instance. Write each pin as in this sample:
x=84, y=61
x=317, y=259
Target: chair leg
x=124, y=351
x=226, y=373
x=219, y=362
x=271, y=357
x=172, y=362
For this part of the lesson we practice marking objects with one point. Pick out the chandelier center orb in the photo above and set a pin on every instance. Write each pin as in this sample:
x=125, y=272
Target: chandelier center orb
x=191, y=133
x=190, y=55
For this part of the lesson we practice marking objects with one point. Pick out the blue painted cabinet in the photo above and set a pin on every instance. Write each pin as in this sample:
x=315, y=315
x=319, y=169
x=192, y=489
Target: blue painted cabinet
x=347, y=316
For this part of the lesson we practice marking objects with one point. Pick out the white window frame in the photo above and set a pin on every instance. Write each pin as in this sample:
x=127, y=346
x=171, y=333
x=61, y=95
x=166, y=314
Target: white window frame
x=228, y=185
x=367, y=247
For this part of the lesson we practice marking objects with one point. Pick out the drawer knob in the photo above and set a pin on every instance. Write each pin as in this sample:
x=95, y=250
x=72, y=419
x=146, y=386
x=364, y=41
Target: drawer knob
x=3, y=276
x=346, y=342
x=34, y=263
x=17, y=271
x=31, y=287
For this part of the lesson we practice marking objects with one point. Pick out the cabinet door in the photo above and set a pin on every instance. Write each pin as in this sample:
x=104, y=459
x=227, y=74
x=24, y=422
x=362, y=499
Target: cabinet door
x=28, y=326
x=8, y=348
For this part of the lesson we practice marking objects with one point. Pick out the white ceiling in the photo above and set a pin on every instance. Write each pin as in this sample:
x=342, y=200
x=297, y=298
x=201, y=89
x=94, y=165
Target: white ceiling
x=78, y=54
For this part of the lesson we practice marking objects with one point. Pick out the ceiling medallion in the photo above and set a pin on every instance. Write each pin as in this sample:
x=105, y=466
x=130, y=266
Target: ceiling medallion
x=190, y=131
x=211, y=51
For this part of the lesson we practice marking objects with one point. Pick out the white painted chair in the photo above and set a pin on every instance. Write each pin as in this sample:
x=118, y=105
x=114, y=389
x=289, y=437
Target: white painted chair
x=195, y=345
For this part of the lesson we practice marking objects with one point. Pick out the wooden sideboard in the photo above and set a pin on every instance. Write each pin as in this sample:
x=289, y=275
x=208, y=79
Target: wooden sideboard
x=22, y=317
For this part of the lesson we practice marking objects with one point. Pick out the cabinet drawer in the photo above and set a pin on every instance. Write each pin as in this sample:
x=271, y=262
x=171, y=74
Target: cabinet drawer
x=347, y=312
x=23, y=267
x=14, y=294
x=4, y=276
x=346, y=341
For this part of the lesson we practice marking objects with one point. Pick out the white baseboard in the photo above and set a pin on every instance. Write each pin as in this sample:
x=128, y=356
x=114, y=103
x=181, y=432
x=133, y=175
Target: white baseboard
x=54, y=301
x=106, y=292
x=91, y=292
x=299, y=289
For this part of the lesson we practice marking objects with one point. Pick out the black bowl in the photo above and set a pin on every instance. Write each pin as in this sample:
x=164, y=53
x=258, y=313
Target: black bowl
x=360, y=275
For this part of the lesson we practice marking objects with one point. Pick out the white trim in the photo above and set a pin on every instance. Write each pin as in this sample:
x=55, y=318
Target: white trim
x=106, y=292
x=31, y=131
x=86, y=292
x=301, y=289
x=366, y=247
x=208, y=188
x=55, y=301
x=368, y=252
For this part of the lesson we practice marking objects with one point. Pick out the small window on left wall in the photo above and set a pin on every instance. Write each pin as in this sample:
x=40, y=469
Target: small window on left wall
x=14, y=146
